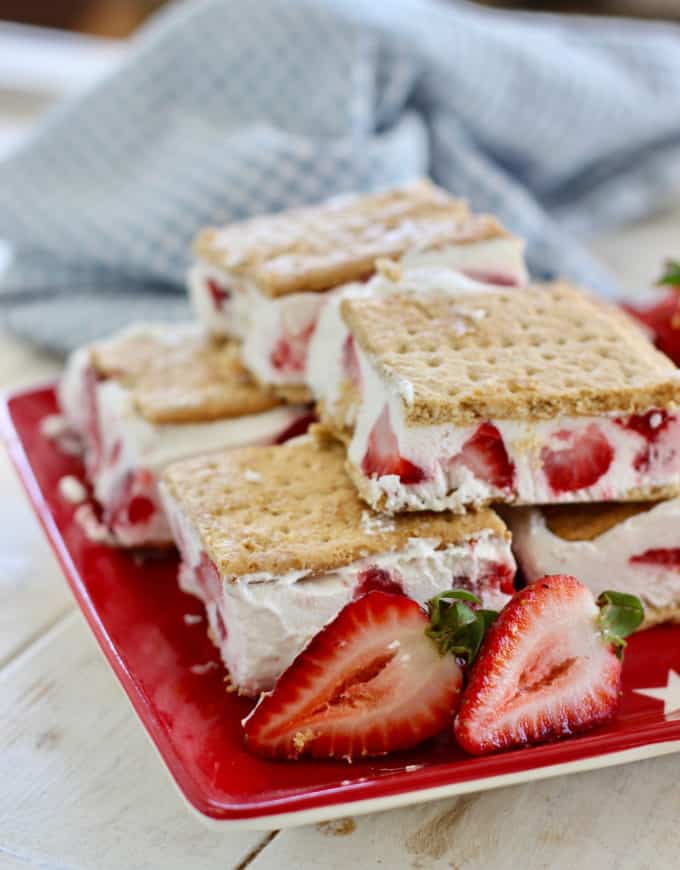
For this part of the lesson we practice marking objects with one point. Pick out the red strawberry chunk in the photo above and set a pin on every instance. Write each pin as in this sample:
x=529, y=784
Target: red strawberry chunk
x=350, y=361
x=134, y=503
x=583, y=460
x=382, y=456
x=484, y=454
x=369, y=683
x=219, y=295
x=208, y=578
x=377, y=578
x=298, y=427
x=544, y=671
x=487, y=277
x=668, y=558
x=289, y=354
x=651, y=426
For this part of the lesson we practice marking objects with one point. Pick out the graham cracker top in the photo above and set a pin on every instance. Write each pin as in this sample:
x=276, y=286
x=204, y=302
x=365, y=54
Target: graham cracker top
x=534, y=352
x=177, y=374
x=585, y=522
x=316, y=248
x=293, y=508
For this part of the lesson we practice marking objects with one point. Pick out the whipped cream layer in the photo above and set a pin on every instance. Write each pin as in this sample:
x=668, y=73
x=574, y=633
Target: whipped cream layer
x=277, y=332
x=260, y=622
x=640, y=555
x=446, y=467
x=124, y=452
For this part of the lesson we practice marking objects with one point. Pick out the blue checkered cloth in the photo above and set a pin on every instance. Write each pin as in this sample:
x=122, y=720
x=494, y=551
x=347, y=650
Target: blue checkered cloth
x=225, y=108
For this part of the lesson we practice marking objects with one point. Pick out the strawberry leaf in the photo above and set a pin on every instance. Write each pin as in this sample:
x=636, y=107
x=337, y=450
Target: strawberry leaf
x=671, y=275
x=620, y=615
x=455, y=627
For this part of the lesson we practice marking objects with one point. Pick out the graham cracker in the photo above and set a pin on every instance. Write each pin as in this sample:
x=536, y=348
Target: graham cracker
x=585, y=522
x=534, y=352
x=177, y=374
x=317, y=248
x=293, y=508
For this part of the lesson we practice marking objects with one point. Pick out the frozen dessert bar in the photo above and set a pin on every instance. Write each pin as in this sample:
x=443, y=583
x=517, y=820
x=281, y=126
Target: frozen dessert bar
x=154, y=394
x=333, y=367
x=265, y=280
x=531, y=396
x=637, y=543
x=275, y=541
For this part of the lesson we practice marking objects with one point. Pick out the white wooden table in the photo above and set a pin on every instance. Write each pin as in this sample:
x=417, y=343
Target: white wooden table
x=80, y=786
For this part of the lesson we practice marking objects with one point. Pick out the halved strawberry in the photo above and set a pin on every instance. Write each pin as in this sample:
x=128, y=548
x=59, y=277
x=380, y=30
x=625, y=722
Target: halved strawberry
x=550, y=666
x=382, y=455
x=371, y=682
x=584, y=459
x=486, y=457
x=662, y=319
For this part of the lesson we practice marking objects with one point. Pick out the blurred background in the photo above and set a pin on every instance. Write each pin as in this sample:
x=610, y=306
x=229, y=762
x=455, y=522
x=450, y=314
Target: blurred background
x=116, y=18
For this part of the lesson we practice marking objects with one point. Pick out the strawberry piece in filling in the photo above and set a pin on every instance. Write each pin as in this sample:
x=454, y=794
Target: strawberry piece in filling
x=497, y=278
x=584, y=459
x=208, y=578
x=135, y=502
x=298, y=427
x=350, y=361
x=651, y=427
x=289, y=354
x=484, y=454
x=668, y=558
x=219, y=295
x=377, y=578
x=382, y=456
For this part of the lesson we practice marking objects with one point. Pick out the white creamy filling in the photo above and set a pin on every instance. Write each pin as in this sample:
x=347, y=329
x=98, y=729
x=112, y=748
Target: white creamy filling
x=502, y=257
x=70, y=392
x=270, y=619
x=453, y=486
x=605, y=562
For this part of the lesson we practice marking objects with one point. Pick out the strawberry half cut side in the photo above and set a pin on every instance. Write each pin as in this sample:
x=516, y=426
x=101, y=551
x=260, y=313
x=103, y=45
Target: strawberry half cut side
x=550, y=666
x=382, y=455
x=371, y=682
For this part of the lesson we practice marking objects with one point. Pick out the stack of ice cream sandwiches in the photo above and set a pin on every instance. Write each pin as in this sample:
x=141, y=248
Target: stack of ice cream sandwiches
x=463, y=414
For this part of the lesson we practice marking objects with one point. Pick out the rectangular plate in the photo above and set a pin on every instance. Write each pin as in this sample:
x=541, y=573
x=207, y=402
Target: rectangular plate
x=172, y=675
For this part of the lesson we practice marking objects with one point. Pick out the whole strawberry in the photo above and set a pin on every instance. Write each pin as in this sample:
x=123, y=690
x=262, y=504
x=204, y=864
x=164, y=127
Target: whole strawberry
x=550, y=666
x=662, y=319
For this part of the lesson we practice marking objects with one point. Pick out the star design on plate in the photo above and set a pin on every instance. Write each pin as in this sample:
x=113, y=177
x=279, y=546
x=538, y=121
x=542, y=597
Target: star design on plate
x=669, y=694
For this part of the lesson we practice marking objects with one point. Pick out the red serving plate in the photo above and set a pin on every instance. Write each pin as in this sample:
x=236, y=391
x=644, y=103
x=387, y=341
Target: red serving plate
x=172, y=675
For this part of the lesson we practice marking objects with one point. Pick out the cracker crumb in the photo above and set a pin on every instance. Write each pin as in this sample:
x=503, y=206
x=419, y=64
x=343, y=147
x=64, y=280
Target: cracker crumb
x=204, y=668
x=192, y=618
x=71, y=489
x=375, y=524
x=338, y=827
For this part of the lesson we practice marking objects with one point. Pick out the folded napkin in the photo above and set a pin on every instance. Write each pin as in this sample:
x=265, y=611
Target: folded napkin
x=223, y=109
